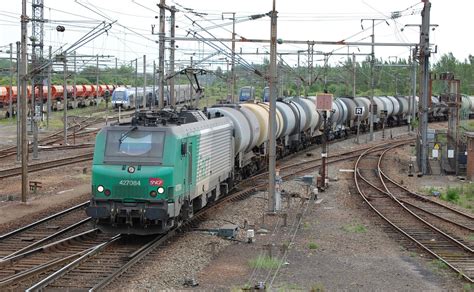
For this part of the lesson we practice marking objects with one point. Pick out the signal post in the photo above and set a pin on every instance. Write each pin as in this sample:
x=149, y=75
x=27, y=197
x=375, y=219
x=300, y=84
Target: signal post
x=324, y=104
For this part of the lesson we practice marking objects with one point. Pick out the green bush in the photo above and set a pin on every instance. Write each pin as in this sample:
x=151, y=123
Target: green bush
x=355, y=228
x=452, y=195
x=313, y=245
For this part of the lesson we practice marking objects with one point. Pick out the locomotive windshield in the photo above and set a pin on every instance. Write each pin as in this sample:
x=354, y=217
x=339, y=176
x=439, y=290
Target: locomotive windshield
x=134, y=145
x=118, y=95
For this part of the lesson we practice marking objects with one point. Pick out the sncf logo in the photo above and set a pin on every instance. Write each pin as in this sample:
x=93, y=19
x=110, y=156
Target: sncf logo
x=155, y=181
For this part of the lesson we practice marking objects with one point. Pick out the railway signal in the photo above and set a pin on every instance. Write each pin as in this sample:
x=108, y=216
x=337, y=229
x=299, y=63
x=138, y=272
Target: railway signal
x=359, y=111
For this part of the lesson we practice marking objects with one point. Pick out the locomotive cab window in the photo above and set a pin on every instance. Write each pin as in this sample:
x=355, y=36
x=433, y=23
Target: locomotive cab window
x=118, y=95
x=134, y=145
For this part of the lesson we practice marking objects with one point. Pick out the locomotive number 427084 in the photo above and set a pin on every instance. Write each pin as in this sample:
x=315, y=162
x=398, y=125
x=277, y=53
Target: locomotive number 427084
x=129, y=182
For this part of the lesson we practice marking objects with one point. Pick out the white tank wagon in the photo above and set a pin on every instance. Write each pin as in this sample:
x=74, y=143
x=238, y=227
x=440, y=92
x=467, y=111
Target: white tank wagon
x=313, y=118
x=351, y=106
x=363, y=102
x=279, y=118
x=242, y=133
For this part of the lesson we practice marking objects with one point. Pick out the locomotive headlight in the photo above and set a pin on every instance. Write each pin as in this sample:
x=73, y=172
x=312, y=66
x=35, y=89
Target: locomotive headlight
x=100, y=189
x=153, y=194
x=161, y=190
x=131, y=169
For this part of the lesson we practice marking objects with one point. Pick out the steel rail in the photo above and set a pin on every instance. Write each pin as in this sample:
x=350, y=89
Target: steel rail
x=11, y=172
x=41, y=221
x=43, y=240
x=42, y=267
x=56, y=275
x=395, y=226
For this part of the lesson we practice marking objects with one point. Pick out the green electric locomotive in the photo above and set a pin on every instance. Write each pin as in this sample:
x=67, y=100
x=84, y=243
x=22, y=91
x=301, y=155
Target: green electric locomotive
x=149, y=175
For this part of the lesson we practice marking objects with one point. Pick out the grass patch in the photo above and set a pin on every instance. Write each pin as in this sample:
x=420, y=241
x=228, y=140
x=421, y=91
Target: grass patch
x=8, y=122
x=306, y=225
x=354, y=228
x=438, y=265
x=468, y=287
x=430, y=190
x=462, y=196
x=290, y=287
x=313, y=245
x=264, y=262
x=451, y=195
x=317, y=287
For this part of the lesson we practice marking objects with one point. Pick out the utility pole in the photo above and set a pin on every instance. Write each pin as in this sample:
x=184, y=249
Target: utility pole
x=97, y=81
x=413, y=98
x=136, y=85
x=233, y=89
x=65, y=97
x=37, y=79
x=48, y=103
x=19, y=116
x=74, y=93
x=10, y=107
x=144, y=83
x=425, y=67
x=272, y=195
x=116, y=73
x=161, y=57
x=24, y=102
x=172, y=51
x=372, y=84
x=153, y=101
x=372, y=80
x=354, y=67
x=191, y=85
x=310, y=67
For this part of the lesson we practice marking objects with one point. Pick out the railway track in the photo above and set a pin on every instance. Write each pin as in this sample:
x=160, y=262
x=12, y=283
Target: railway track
x=430, y=209
x=42, y=231
x=11, y=172
x=390, y=204
x=75, y=130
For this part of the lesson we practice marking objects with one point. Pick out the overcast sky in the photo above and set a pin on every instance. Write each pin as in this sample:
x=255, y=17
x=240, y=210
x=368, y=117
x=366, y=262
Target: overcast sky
x=301, y=20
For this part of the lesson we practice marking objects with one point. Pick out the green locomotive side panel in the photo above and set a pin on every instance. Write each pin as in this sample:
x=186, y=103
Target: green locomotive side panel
x=176, y=171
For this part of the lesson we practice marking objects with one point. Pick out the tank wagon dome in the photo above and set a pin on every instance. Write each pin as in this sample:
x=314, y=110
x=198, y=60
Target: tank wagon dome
x=364, y=103
x=262, y=116
x=242, y=132
x=289, y=117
